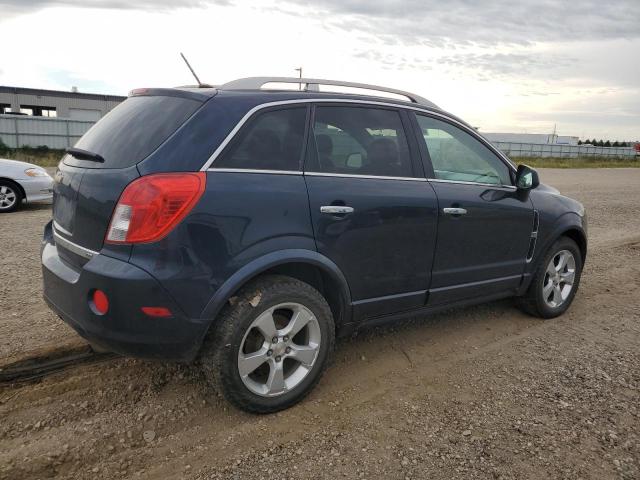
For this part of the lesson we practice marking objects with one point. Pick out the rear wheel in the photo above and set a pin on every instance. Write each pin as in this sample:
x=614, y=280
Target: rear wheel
x=10, y=196
x=271, y=345
x=555, y=281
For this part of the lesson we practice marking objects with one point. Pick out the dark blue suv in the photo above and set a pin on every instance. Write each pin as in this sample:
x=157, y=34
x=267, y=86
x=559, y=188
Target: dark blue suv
x=247, y=228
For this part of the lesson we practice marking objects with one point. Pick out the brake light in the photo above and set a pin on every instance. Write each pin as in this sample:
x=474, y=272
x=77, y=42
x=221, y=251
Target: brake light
x=151, y=206
x=138, y=91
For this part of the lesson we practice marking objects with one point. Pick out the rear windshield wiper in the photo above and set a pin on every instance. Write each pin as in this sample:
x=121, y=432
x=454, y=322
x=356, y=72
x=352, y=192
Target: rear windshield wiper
x=84, y=155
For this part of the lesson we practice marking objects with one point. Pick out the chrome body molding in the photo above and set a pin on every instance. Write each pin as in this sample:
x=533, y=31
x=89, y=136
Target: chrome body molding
x=59, y=228
x=73, y=247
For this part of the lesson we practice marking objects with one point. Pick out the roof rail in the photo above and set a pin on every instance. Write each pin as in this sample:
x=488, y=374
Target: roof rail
x=312, y=85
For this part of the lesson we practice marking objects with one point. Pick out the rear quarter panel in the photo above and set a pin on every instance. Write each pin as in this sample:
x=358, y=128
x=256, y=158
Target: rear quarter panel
x=240, y=217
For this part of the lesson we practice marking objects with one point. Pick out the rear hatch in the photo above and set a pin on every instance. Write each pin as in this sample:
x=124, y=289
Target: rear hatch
x=89, y=182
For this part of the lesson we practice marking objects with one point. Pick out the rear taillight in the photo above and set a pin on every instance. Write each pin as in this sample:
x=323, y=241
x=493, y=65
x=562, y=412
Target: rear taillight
x=153, y=205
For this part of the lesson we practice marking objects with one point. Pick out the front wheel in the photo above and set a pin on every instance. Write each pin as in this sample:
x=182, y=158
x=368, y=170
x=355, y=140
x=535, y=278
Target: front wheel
x=10, y=196
x=271, y=344
x=555, y=282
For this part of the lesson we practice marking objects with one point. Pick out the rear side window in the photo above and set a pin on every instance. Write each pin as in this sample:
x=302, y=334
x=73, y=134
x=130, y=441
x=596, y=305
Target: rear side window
x=360, y=141
x=134, y=129
x=272, y=140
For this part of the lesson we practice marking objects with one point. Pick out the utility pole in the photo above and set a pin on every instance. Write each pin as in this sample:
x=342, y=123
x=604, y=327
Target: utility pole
x=299, y=70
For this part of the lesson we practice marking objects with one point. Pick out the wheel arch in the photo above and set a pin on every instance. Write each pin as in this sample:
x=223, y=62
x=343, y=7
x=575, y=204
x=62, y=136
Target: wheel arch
x=305, y=265
x=569, y=225
x=577, y=235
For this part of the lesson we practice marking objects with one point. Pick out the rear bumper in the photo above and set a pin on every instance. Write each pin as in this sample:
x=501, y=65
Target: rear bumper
x=124, y=328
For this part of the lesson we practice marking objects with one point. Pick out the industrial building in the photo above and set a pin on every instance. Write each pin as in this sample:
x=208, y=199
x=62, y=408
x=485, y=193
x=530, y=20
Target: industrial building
x=536, y=138
x=31, y=117
x=71, y=105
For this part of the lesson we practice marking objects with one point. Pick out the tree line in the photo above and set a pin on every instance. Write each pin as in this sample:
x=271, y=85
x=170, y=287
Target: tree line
x=607, y=143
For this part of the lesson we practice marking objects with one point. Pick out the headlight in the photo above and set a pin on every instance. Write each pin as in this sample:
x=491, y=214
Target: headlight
x=35, y=172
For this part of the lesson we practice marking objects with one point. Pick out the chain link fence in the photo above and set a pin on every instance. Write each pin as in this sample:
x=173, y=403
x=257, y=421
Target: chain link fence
x=562, y=151
x=18, y=131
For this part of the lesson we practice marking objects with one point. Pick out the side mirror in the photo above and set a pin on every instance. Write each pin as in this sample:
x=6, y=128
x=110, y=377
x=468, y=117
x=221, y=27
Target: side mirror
x=526, y=178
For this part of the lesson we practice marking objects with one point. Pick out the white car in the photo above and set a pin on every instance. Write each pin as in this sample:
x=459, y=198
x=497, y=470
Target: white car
x=21, y=181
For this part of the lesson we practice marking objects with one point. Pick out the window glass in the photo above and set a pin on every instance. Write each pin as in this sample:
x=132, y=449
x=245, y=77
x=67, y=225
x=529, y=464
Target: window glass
x=271, y=141
x=38, y=111
x=456, y=155
x=360, y=141
x=134, y=129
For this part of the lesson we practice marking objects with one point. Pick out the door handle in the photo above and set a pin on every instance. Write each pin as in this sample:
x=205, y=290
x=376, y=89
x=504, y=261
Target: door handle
x=336, y=209
x=455, y=211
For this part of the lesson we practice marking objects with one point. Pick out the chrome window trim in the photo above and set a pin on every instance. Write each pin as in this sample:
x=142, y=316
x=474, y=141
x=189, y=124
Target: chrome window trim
x=313, y=174
x=74, y=247
x=424, y=111
x=255, y=170
x=241, y=123
x=460, y=182
x=373, y=177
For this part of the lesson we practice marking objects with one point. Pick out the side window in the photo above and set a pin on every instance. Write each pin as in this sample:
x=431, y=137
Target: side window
x=458, y=156
x=360, y=141
x=271, y=141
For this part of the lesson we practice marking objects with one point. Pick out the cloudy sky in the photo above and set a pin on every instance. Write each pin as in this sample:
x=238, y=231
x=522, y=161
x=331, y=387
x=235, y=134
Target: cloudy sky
x=503, y=65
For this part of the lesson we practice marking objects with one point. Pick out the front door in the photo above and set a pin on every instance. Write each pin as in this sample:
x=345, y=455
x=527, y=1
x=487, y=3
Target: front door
x=484, y=223
x=372, y=214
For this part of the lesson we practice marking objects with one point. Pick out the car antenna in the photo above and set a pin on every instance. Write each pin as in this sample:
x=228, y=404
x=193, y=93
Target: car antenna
x=200, y=84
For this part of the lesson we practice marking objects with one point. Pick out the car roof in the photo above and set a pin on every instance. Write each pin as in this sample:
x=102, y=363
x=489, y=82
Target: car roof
x=299, y=88
x=253, y=97
x=269, y=95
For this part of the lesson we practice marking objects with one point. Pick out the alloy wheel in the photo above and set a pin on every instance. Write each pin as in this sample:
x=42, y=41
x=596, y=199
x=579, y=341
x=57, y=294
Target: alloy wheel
x=8, y=197
x=279, y=349
x=559, y=278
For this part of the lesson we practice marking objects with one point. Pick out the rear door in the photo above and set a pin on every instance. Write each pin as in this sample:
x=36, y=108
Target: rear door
x=86, y=191
x=372, y=211
x=484, y=223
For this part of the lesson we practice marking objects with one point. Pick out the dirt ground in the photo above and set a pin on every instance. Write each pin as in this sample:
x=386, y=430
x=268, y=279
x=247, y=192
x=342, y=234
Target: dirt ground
x=482, y=392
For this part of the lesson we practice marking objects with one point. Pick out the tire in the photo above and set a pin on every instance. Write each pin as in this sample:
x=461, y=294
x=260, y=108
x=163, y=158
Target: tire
x=10, y=196
x=542, y=298
x=264, y=308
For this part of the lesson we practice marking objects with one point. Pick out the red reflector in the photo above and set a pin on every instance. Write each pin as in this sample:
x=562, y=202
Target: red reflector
x=151, y=206
x=156, y=311
x=100, y=302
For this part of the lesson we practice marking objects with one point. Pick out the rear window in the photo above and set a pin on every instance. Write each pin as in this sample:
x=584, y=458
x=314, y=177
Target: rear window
x=134, y=129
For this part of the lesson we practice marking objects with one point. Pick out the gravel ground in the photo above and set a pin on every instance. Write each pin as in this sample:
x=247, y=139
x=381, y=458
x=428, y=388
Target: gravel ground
x=482, y=392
